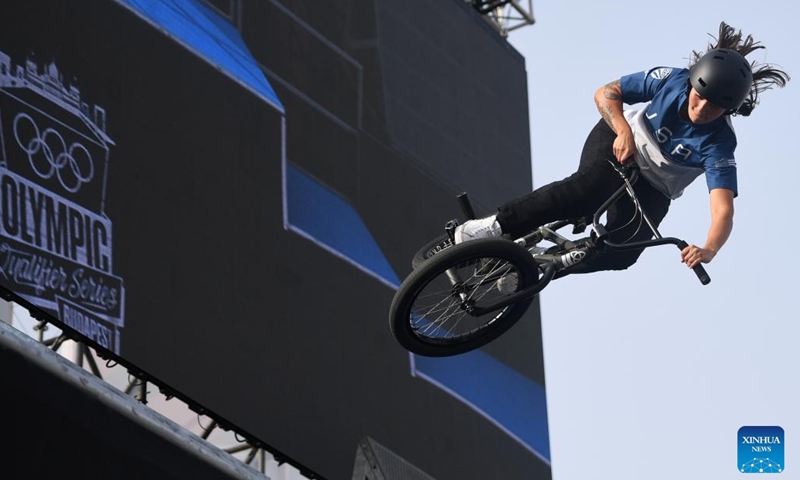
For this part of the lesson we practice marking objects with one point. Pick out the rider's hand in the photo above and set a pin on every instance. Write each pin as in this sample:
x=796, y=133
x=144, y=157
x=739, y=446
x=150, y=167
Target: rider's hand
x=693, y=255
x=624, y=146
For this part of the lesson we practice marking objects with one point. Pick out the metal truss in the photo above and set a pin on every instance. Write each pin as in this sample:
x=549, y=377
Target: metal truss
x=141, y=388
x=505, y=15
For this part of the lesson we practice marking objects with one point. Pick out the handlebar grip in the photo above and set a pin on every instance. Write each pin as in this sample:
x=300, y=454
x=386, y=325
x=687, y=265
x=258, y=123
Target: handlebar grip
x=702, y=275
x=699, y=270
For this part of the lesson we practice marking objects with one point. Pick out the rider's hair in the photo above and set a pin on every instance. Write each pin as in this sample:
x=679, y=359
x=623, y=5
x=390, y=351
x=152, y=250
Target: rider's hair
x=765, y=76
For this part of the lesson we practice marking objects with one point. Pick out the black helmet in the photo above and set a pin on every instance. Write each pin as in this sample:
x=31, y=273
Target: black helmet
x=723, y=77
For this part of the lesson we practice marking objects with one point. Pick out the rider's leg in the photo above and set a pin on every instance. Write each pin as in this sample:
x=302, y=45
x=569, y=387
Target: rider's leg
x=624, y=224
x=577, y=195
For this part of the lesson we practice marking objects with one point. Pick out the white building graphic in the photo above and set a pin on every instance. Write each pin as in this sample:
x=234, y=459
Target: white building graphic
x=55, y=239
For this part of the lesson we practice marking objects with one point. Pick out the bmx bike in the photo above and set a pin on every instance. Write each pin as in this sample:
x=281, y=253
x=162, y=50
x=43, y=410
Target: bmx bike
x=459, y=297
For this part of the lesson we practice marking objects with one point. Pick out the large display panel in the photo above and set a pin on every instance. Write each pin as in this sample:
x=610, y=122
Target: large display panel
x=229, y=202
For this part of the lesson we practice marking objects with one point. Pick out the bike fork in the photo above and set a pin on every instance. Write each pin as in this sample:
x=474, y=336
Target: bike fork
x=453, y=277
x=632, y=194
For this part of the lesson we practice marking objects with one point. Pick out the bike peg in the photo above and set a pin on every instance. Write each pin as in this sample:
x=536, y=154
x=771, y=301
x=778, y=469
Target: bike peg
x=466, y=206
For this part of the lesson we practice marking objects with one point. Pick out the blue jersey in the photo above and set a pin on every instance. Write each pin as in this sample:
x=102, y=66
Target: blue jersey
x=673, y=151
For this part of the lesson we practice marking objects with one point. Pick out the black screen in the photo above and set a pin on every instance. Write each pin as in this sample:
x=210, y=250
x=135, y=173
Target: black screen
x=227, y=197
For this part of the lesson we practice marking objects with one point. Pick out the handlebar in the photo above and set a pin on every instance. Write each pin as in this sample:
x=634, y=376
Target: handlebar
x=630, y=173
x=699, y=270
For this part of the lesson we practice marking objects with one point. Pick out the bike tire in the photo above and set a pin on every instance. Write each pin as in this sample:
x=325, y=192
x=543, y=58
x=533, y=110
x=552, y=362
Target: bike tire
x=454, y=331
x=435, y=246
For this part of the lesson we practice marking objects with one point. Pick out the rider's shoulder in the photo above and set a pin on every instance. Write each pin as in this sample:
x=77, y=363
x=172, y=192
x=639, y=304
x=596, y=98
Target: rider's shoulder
x=666, y=73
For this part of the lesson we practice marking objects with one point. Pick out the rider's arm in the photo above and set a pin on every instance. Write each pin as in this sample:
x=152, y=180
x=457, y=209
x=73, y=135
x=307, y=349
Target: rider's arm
x=608, y=99
x=718, y=233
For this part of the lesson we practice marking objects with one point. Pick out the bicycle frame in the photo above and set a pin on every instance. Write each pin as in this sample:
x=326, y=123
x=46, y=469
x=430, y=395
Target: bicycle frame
x=552, y=264
x=461, y=297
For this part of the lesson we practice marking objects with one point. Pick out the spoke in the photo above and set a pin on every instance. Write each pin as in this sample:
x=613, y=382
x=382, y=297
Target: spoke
x=439, y=312
x=436, y=321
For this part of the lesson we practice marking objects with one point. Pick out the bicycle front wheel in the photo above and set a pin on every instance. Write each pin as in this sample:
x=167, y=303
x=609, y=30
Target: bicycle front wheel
x=440, y=308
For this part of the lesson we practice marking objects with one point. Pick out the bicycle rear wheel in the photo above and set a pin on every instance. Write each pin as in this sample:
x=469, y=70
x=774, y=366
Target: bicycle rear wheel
x=435, y=312
x=434, y=247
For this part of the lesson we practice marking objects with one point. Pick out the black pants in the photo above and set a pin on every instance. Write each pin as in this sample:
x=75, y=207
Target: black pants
x=581, y=194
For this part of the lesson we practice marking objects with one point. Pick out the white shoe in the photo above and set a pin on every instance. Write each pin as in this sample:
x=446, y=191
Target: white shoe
x=479, y=228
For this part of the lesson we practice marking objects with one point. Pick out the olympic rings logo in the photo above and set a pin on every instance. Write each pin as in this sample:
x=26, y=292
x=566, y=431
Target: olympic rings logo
x=73, y=165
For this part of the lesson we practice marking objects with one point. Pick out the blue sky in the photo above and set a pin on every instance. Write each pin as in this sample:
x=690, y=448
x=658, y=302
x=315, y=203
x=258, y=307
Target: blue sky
x=649, y=373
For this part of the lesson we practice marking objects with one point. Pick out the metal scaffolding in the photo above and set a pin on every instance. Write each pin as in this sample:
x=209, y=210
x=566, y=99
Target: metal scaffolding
x=234, y=446
x=505, y=15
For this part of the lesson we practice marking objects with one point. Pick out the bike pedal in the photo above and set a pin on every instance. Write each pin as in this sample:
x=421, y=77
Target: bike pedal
x=450, y=228
x=579, y=226
x=537, y=250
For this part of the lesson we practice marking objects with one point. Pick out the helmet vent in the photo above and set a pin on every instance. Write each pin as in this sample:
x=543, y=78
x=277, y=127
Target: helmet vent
x=701, y=82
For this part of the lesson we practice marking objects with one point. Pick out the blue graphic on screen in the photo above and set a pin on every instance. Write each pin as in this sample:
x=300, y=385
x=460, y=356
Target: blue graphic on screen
x=761, y=450
x=508, y=399
x=320, y=214
x=210, y=36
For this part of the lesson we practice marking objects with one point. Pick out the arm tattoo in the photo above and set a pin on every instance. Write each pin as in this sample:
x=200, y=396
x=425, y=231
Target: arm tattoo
x=609, y=93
